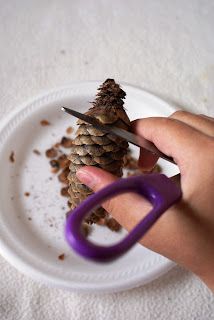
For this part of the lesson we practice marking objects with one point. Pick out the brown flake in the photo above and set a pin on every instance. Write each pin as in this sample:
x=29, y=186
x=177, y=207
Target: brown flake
x=64, y=192
x=66, y=142
x=27, y=194
x=44, y=123
x=63, y=161
x=51, y=153
x=63, y=176
x=57, y=145
x=29, y=218
x=12, y=157
x=54, y=165
x=113, y=225
x=37, y=152
x=69, y=130
x=61, y=257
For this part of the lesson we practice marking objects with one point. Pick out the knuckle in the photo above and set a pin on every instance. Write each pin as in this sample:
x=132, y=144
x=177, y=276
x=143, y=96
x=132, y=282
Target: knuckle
x=165, y=122
x=179, y=114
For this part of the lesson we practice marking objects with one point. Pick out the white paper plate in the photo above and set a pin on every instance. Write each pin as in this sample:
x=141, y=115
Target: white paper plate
x=33, y=246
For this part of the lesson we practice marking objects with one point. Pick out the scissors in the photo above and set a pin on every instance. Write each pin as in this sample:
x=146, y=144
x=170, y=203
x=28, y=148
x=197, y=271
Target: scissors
x=158, y=189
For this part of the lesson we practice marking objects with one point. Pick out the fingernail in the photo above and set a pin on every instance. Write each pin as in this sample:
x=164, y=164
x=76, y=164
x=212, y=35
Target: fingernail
x=86, y=177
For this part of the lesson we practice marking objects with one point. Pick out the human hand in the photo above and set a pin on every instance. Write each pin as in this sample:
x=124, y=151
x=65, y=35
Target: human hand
x=185, y=233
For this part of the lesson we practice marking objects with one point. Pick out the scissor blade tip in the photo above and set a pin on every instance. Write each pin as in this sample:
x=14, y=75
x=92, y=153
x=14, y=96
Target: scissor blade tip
x=63, y=108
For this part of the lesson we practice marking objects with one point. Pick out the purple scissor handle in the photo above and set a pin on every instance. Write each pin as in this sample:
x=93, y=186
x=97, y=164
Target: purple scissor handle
x=156, y=188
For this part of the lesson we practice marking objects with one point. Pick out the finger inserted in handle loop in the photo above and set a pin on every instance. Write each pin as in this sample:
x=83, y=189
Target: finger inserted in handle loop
x=156, y=188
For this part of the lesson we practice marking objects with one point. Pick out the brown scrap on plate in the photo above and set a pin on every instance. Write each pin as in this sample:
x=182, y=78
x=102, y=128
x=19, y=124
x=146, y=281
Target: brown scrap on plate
x=37, y=152
x=63, y=176
x=51, y=153
x=64, y=192
x=113, y=225
x=61, y=257
x=66, y=142
x=44, y=123
x=54, y=166
x=54, y=163
x=63, y=161
x=27, y=194
x=69, y=130
x=12, y=157
x=57, y=145
x=54, y=170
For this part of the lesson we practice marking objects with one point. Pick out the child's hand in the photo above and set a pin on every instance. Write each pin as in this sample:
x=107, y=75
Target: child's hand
x=185, y=233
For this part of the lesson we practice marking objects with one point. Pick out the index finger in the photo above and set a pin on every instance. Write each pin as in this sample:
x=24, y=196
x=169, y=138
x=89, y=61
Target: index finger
x=171, y=136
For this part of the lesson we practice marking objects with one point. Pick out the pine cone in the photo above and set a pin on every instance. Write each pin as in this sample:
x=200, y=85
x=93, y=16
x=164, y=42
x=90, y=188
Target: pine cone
x=95, y=148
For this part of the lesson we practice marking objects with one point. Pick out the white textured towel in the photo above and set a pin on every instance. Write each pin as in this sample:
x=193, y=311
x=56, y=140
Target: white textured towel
x=165, y=46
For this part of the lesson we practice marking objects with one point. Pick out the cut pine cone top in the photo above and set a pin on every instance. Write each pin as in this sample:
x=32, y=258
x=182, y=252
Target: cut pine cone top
x=95, y=148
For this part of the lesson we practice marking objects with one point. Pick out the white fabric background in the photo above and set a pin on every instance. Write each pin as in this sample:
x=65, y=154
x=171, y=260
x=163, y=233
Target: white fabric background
x=166, y=47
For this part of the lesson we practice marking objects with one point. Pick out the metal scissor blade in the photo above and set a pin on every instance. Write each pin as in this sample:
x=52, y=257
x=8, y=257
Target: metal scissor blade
x=126, y=135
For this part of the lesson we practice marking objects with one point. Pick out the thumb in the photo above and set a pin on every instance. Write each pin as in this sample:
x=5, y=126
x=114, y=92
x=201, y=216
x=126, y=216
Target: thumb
x=95, y=178
x=120, y=207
